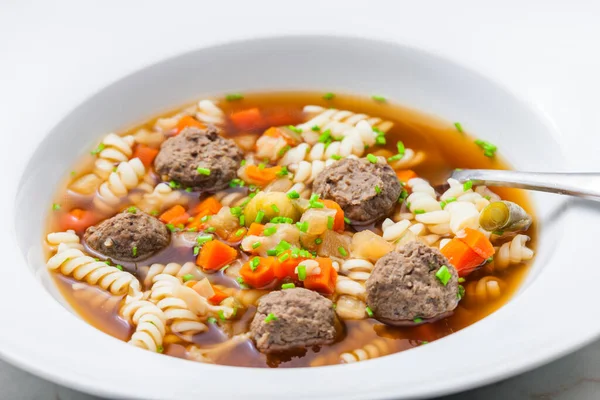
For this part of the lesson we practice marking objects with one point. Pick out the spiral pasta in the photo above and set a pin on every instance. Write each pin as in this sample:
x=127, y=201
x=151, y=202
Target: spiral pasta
x=150, y=138
x=345, y=285
x=486, y=289
x=306, y=172
x=423, y=196
x=173, y=269
x=377, y=348
x=95, y=298
x=513, y=252
x=68, y=239
x=356, y=269
x=178, y=316
x=150, y=324
x=159, y=199
x=338, y=120
x=115, y=149
x=127, y=176
x=74, y=263
x=210, y=113
x=231, y=198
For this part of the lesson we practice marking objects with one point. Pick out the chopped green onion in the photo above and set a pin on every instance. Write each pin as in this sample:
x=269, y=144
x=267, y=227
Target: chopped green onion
x=132, y=210
x=170, y=227
x=134, y=251
x=254, y=263
x=119, y=267
x=328, y=96
x=259, y=216
x=461, y=280
x=401, y=148
x=56, y=206
x=275, y=208
x=467, y=185
x=240, y=232
x=174, y=185
x=288, y=286
x=98, y=149
x=489, y=150
x=343, y=251
x=336, y=157
x=461, y=292
x=160, y=349
x=189, y=190
x=205, y=218
x=419, y=211
x=283, y=171
x=403, y=196
x=458, y=127
x=240, y=280
x=203, y=239
x=301, y=272
x=315, y=128
x=318, y=241
x=325, y=136
x=330, y=223
x=222, y=315
x=395, y=157
x=234, y=97
x=372, y=158
x=303, y=226
x=377, y=189
x=243, y=162
x=489, y=259
x=294, y=129
x=203, y=171
x=196, y=250
x=256, y=245
x=498, y=233
x=283, y=257
x=242, y=220
x=380, y=140
x=271, y=317
x=187, y=277
x=418, y=320
x=210, y=229
x=444, y=203
x=443, y=275
x=369, y=311
x=379, y=99
x=236, y=211
x=270, y=231
x=293, y=195
x=271, y=252
x=211, y=320
x=236, y=183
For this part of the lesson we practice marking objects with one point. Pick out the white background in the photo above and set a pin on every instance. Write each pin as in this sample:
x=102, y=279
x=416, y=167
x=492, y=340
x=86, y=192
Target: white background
x=55, y=54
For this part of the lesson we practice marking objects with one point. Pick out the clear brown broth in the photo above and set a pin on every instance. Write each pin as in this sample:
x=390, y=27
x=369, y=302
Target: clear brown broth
x=446, y=149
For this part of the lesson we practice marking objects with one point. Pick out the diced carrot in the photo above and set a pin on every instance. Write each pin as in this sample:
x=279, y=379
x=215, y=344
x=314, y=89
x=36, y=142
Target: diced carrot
x=338, y=222
x=325, y=281
x=219, y=296
x=404, y=175
x=287, y=268
x=477, y=241
x=247, y=119
x=146, y=154
x=256, y=229
x=236, y=235
x=187, y=122
x=261, y=176
x=78, y=220
x=263, y=274
x=281, y=118
x=215, y=255
x=175, y=215
x=209, y=206
x=461, y=256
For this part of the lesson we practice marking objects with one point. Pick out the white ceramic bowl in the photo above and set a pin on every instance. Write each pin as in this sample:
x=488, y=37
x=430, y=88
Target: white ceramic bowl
x=545, y=319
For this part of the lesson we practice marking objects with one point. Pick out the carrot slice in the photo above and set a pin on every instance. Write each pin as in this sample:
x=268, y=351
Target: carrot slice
x=261, y=176
x=146, y=154
x=256, y=229
x=461, y=256
x=404, y=175
x=281, y=117
x=78, y=220
x=175, y=215
x=187, y=122
x=287, y=268
x=210, y=205
x=477, y=241
x=236, y=235
x=215, y=255
x=247, y=119
x=338, y=222
x=263, y=273
x=325, y=281
x=219, y=296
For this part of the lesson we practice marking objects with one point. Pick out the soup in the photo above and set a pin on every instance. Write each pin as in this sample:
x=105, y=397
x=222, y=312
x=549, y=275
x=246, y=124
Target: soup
x=286, y=230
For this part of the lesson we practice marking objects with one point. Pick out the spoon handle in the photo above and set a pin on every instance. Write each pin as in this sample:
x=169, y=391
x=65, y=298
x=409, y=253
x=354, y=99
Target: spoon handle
x=586, y=185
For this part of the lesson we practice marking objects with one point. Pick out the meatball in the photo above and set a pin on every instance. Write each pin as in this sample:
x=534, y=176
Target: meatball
x=128, y=236
x=300, y=318
x=366, y=191
x=404, y=285
x=180, y=158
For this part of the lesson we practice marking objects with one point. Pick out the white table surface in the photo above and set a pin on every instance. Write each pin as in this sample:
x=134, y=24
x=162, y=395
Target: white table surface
x=54, y=54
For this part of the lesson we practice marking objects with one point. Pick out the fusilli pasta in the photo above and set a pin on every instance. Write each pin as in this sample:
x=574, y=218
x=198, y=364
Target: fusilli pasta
x=210, y=113
x=149, y=322
x=513, y=252
x=173, y=269
x=68, y=239
x=159, y=199
x=376, y=348
x=115, y=149
x=119, y=183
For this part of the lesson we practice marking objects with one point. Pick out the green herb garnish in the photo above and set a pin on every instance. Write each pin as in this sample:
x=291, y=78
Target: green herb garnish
x=443, y=274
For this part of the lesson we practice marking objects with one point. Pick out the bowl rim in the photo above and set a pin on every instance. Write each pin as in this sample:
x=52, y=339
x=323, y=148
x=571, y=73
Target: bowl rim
x=16, y=353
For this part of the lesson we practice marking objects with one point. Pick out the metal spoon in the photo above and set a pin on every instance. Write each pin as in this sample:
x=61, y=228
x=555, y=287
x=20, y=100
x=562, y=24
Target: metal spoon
x=581, y=184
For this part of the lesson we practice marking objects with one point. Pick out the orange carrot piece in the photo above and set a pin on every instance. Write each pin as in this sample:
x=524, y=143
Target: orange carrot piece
x=325, y=281
x=187, y=122
x=210, y=205
x=477, y=241
x=215, y=255
x=146, y=154
x=247, y=119
x=338, y=222
x=287, y=268
x=219, y=296
x=281, y=118
x=404, y=175
x=256, y=229
x=236, y=235
x=175, y=215
x=262, y=275
x=78, y=220
x=461, y=256
x=262, y=176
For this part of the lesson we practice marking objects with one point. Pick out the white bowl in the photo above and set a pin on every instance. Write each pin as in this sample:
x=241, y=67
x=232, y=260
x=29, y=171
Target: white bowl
x=39, y=332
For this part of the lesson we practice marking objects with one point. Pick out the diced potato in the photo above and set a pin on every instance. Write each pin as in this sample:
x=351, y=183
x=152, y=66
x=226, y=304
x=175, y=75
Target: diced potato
x=272, y=204
x=370, y=246
x=334, y=245
x=224, y=222
x=317, y=219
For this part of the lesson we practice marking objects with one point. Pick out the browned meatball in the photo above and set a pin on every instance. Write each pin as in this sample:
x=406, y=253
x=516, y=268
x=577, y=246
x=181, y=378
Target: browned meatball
x=302, y=318
x=181, y=156
x=366, y=191
x=404, y=286
x=128, y=236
